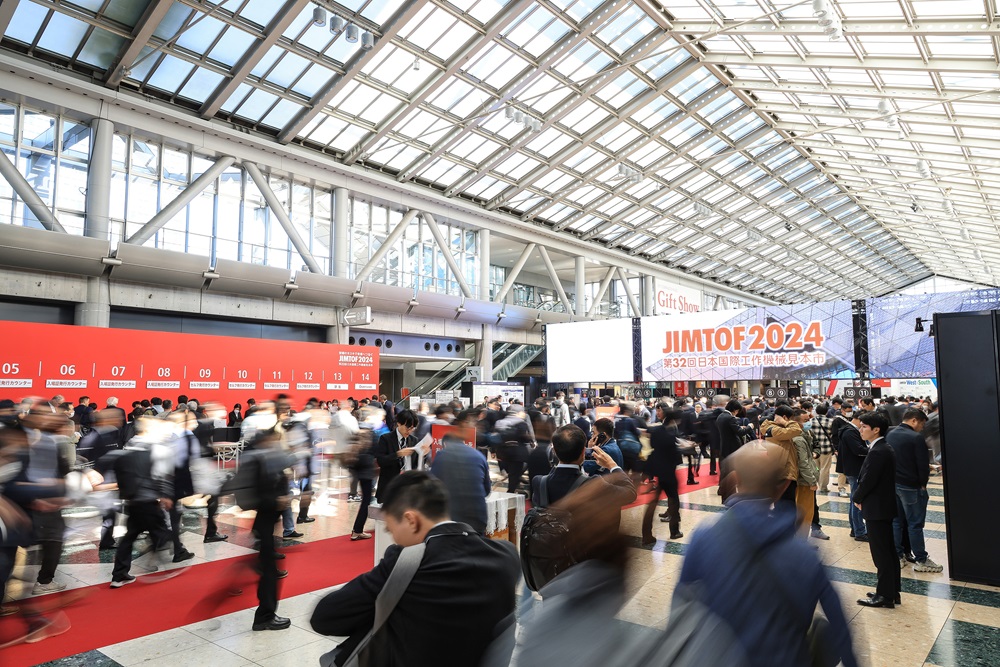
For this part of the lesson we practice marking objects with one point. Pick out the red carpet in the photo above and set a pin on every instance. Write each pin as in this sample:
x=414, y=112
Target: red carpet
x=705, y=481
x=101, y=616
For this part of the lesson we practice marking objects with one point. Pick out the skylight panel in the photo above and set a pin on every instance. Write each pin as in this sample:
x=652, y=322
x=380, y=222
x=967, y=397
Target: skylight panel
x=62, y=35
x=378, y=11
x=170, y=73
x=101, y=48
x=257, y=104
x=231, y=47
x=201, y=84
x=288, y=69
x=582, y=62
x=198, y=37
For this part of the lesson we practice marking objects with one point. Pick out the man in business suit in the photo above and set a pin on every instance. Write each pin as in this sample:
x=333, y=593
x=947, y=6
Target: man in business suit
x=731, y=438
x=875, y=496
x=708, y=429
x=395, y=451
x=853, y=452
x=570, y=447
x=662, y=464
x=462, y=576
x=465, y=474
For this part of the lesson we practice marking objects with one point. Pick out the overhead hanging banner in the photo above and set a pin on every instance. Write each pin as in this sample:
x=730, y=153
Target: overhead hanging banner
x=794, y=342
x=895, y=350
x=48, y=359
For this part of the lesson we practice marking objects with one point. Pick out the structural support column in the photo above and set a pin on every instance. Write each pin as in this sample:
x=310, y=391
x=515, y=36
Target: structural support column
x=449, y=256
x=96, y=310
x=383, y=249
x=286, y=223
x=580, y=286
x=147, y=231
x=555, y=279
x=596, y=306
x=28, y=195
x=485, y=350
x=648, y=296
x=341, y=236
x=636, y=312
x=484, y=264
x=338, y=334
x=102, y=134
x=513, y=273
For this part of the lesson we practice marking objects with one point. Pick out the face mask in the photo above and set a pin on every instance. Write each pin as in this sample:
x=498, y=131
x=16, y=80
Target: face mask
x=807, y=426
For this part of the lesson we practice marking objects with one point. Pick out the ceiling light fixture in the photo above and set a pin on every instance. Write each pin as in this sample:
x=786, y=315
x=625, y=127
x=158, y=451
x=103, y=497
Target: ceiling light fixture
x=351, y=33
x=924, y=169
x=828, y=19
x=367, y=41
x=337, y=25
x=319, y=16
x=966, y=236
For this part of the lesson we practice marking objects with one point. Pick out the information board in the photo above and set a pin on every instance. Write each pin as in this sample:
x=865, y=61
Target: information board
x=48, y=359
x=794, y=342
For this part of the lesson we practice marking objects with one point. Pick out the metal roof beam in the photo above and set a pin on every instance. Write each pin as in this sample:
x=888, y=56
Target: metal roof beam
x=407, y=11
x=527, y=77
x=826, y=62
x=275, y=29
x=141, y=34
x=7, y=10
x=924, y=27
x=459, y=60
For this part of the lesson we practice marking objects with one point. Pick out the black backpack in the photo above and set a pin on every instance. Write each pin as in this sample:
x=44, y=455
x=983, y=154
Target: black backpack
x=544, y=544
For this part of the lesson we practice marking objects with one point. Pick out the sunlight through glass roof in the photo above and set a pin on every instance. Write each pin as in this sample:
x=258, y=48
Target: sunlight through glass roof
x=798, y=150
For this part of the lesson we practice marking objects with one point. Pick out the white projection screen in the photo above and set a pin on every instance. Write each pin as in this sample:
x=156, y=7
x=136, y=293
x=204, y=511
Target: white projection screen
x=598, y=351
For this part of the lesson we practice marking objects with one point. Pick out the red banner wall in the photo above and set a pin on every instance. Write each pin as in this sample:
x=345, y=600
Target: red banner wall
x=48, y=359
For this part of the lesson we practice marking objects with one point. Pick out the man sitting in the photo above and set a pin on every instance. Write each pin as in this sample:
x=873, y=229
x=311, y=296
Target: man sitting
x=462, y=590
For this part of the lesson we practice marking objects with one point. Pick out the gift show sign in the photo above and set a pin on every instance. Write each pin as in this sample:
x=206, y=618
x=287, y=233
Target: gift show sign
x=48, y=359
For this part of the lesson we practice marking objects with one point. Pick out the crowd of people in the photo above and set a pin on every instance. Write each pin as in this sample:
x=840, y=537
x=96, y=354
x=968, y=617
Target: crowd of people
x=160, y=453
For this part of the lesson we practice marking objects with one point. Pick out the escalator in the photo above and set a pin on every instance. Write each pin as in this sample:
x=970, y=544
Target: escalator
x=509, y=359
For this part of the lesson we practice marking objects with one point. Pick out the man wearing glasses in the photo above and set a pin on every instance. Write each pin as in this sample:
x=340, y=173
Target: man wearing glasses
x=395, y=451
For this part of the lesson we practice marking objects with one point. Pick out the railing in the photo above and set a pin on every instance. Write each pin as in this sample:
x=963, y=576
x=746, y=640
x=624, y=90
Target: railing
x=513, y=363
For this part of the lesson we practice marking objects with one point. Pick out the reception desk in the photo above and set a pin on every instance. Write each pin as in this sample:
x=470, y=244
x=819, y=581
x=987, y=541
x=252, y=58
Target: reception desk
x=504, y=517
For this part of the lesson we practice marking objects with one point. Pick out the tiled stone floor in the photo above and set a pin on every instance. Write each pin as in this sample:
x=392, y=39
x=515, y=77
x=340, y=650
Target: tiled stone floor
x=941, y=622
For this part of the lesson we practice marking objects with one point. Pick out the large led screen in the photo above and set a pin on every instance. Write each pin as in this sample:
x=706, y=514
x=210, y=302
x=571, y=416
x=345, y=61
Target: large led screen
x=895, y=350
x=796, y=342
x=599, y=351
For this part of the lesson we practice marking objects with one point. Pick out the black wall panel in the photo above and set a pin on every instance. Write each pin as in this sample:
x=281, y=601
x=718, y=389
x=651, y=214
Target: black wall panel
x=969, y=399
x=148, y=321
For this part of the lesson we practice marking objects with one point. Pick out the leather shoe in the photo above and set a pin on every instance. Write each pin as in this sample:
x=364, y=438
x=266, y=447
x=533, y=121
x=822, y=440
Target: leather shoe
x=182, y=556
x=279, y=556
x=676, y=536
x=292, y=534
x=861, y=538
x=647, y=541
x=276, y=623
x=896, y=601
x=218, y=537
x=282, y=574
x=877, y=601
x=305, y=519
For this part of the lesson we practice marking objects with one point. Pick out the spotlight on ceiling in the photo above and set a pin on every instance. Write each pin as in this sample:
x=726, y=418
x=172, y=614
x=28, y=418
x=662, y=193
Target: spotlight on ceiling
x=351, y=33
x=337, y=25
x=319, y=16
x=919, y=327
x=367, y=41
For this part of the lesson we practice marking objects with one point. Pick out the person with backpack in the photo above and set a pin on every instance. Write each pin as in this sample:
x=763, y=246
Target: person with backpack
x=560, y=410
x=756, y=577
x=145, y=473
x=544, y=549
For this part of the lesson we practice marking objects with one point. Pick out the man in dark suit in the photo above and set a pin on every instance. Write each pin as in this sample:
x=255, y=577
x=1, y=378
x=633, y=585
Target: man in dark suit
x=395, y=451
x=118, y=416
x=731, y=434
x=708, y=430
x=462, y=576
x=662, y=464
x=853, y=452
x=570, y=447
x=466, y=476
x=875, y=496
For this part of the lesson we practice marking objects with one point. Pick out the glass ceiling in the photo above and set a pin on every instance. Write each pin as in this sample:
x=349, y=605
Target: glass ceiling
x=719, y=137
